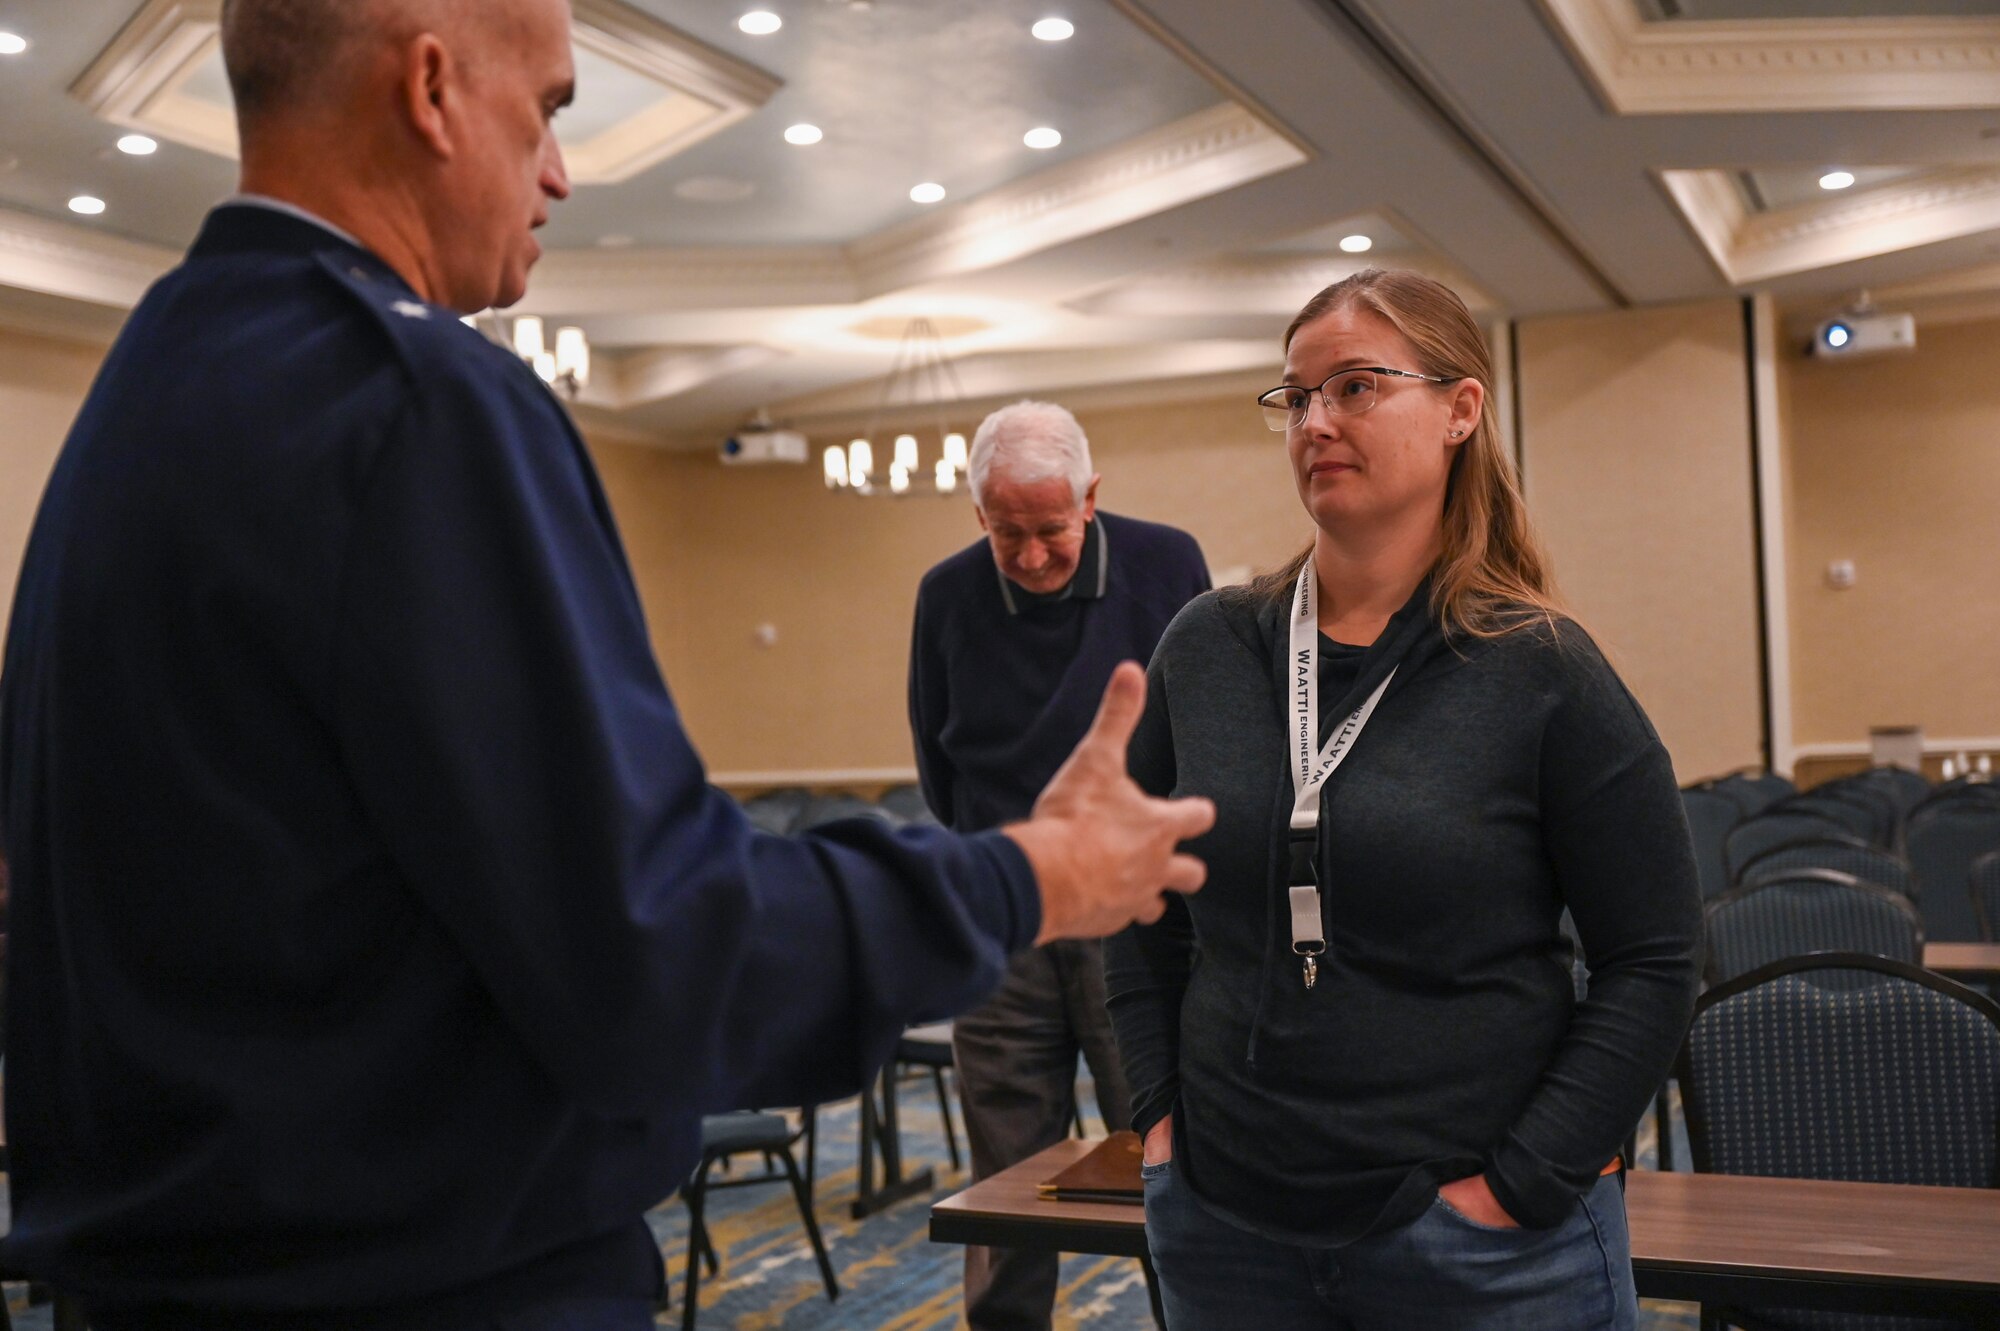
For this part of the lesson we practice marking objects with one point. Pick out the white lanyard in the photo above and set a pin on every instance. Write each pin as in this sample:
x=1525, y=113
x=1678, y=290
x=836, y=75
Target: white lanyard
x=1311, y=768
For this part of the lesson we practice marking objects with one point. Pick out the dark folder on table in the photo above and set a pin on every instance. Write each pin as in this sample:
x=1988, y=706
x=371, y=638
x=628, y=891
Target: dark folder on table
x=1110, y=1173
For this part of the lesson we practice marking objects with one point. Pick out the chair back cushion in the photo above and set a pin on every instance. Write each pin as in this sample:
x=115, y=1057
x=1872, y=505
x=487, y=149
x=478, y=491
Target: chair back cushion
x=1887, y=1075
x=1803, y=911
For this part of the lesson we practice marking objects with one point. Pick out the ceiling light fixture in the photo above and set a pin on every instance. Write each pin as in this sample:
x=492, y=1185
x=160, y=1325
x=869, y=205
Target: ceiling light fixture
x=804, y=135
x=86, y=204
x=760, y=23
x=565, y=369
x=10, y=44
x=920, y=376
x=928, y=192
x=1356, y=244
x=1836, y=180
x=138, y=145
x=1054, y=29
x=1042, y=137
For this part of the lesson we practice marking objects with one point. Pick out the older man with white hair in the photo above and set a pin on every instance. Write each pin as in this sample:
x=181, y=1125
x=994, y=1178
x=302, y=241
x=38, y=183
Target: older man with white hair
x=1015, y=637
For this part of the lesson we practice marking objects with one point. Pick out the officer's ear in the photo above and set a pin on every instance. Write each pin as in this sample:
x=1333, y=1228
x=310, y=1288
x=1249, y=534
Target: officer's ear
x=428, y=88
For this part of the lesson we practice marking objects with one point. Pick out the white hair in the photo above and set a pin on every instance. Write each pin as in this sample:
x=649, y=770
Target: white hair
x=1030, y=442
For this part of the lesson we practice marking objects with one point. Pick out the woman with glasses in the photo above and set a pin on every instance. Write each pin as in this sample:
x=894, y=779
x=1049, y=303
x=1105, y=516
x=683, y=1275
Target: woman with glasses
x=1370, y=1094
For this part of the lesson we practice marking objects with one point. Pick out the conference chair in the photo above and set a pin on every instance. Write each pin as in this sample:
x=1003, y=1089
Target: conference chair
x=1864, y=813
x=1844, y=854
x=928, y=1049
x=1986, y=895
x=1774, y=827
x=1842, y=1066
x=1946, y=834
x=778, y=811
x=906, y=802
x=1904, y=788
x=1803, y=911
x=1755, y=790
x=1711, y=815
x=833, y=807
x=723, y=1137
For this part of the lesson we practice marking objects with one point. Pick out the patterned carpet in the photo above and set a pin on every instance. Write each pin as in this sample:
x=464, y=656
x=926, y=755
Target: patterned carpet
x=892, y=1278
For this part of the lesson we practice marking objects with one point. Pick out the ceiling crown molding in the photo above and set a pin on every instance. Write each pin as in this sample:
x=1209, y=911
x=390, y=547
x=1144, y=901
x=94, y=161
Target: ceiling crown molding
x=582, y=282
x=1752, y=247
x=1207, y=153
x=1664, y=68
x=140, y=81
x=59, y=259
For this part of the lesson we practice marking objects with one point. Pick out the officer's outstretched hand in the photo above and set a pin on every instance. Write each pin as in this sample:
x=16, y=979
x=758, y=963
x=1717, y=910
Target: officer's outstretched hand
x=1102, y=849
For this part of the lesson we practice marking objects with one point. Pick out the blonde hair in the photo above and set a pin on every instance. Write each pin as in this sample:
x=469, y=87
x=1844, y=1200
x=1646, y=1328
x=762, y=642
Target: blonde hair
x=1491, y=576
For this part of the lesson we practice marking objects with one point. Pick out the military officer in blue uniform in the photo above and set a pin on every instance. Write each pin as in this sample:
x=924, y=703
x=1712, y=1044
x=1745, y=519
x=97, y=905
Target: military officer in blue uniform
x=377, y=943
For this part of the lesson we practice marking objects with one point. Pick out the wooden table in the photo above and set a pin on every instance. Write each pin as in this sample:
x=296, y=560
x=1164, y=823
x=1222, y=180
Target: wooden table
x=1708, y=1238
x=1963, y=961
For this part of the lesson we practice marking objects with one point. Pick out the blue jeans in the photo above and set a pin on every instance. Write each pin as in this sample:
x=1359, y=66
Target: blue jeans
x=1441, y=1272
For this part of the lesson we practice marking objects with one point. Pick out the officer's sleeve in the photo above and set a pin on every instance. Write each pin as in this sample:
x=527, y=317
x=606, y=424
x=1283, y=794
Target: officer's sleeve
x=508, y=730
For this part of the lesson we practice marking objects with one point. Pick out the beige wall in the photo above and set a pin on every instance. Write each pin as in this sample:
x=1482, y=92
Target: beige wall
x=1636, y=449
x=1894, y=463
x=42, y=383
x=721, y=550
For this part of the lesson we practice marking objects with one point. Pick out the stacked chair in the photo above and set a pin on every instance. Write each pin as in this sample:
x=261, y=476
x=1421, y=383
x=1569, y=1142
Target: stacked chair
x=1986, y=895
x=1793, y=912
x=1945, y=834
x=1842, y=1066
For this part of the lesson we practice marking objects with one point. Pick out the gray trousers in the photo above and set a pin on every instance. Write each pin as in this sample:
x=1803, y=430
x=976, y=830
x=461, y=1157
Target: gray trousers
x=1016, y=1056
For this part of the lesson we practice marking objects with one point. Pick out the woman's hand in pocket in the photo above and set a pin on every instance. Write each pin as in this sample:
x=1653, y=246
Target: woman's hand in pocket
x=1474, y=1199
x=1159, y=1142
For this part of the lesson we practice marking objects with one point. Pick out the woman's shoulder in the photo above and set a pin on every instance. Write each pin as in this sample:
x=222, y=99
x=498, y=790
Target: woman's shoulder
x=1559, y=658
x=1227, y=617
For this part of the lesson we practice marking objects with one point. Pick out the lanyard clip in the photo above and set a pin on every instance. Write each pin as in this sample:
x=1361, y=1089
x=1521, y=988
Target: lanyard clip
x=1303, y=866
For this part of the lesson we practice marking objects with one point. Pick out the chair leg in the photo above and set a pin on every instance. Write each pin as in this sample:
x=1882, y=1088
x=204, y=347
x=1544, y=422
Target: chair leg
x=804, y=1196
x=944, y=1112
x=1663, y=1116
x=697, y=1192
x=812, y=1145
x=698, y=1234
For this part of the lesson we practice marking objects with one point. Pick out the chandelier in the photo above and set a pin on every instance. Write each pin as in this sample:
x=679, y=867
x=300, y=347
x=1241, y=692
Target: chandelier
x=566, y=368
x=920, y=377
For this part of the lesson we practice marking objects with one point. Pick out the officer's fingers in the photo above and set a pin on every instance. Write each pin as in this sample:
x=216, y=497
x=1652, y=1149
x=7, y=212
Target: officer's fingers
x=1185, y=873
x=1150, y=910
x=1187, y=817
x=1118, y=713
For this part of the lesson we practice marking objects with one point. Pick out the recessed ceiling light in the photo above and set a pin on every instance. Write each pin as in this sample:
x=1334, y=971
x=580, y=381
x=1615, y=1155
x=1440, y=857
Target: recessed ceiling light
x=138, y=145
x=1054, y=29
x=1043, y=137
x=804, y=135
x=1836, y=180
x=760, y=23
x=87, y=205
x=11, y=44
x=1356, y=244
x=928, y=192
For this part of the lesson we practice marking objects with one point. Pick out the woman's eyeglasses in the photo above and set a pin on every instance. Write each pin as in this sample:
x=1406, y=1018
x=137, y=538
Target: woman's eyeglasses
x=1348, y=393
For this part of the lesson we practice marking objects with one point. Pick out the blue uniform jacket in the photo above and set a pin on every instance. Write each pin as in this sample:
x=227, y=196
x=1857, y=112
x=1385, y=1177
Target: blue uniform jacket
x=376, y=937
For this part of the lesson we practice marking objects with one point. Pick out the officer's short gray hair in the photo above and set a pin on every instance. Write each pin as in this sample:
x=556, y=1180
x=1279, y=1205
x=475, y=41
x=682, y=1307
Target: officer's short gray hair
x=1029, y=442
x=282, y=54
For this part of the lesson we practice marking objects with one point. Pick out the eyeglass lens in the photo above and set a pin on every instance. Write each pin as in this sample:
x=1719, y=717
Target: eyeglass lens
x=1349, y=394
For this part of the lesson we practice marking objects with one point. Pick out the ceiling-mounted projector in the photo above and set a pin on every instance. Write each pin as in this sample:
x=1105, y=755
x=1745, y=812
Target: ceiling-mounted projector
x=761, y=444
x=1864, y=333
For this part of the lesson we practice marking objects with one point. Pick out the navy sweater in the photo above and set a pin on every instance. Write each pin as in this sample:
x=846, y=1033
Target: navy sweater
x=376, y=940
x=998, y=698
x=1498, y=782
